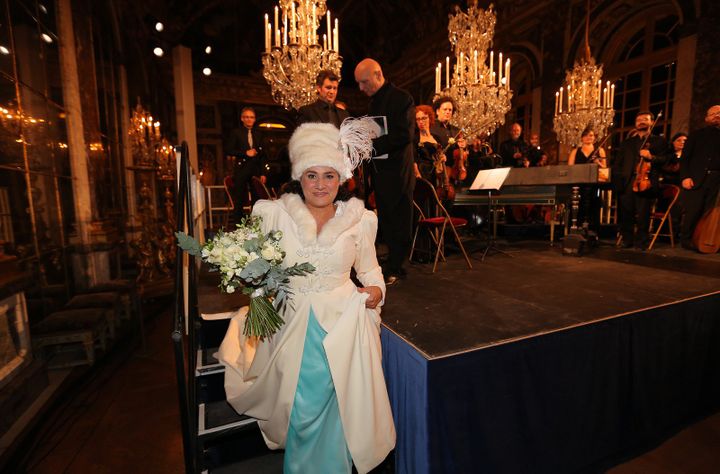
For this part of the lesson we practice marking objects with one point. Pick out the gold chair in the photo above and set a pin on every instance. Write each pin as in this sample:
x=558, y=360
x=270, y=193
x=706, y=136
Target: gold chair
x=426, y=201
x=668, y=194
x=258, y=190
x=227, y=206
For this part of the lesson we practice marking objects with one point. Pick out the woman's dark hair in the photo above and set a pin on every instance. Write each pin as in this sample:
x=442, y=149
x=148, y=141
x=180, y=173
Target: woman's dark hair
x=294, y=187
x=587, y=131
x=678, y=135
x=437, y=103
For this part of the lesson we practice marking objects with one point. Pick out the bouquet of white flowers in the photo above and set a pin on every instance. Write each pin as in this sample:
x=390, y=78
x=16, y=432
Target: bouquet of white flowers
x=250, y=260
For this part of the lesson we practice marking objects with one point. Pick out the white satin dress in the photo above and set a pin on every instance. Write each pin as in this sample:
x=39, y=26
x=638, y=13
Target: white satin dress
x=261, y=378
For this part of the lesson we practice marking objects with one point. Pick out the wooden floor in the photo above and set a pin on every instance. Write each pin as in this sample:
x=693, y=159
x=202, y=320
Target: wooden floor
x=122, y=417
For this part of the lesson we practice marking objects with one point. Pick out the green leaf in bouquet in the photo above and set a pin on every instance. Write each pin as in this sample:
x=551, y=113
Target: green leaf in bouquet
x=300, y=269
x=255, y=270
x=270, y=284
x=252, y=245
x=188, y=243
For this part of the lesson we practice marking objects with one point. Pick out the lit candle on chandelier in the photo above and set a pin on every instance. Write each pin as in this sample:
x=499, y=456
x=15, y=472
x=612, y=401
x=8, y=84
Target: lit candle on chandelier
x=313, y=26
x=293, y=22
x=612, y=96
x=277, y=28
x=599, y=88
x=447, y=71
x=325, y=45
x=607, y=95
x=285, y=31
x=507, y=73
x=267, y=34
x=329, y=29
x=437, y=77
x=500, y=71
x=336, y=39
x=557, y=98
x=560, y=102
x=461, y=68
x=492, y=56
x=475, y=67
x=604, y=95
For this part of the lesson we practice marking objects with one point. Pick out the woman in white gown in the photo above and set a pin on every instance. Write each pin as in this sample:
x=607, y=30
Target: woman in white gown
x=316, y=387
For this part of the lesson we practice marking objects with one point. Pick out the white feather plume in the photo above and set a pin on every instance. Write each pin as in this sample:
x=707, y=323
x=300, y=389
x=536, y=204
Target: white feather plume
x=356, y=136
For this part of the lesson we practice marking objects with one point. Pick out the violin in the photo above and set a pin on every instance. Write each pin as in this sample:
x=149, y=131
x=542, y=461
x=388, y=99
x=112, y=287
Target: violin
x=642, y=182
x=459, y=169
x=445, y=190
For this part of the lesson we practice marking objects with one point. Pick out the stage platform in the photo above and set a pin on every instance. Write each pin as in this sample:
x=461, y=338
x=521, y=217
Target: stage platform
x=541, y=362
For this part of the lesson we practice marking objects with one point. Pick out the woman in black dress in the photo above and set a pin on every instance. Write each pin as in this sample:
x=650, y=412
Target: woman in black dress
x=589, y=211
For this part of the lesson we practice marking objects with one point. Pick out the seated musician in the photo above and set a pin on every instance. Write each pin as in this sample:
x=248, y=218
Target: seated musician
x=430, y=159
x=428, y=151
x=670, y=172
x=514, y=150
x=536, y=156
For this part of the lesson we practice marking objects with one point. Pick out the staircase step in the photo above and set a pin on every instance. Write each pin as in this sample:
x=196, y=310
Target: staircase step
x=243, y=451
x=207, y=363
x=219, y=417
x=269, y=463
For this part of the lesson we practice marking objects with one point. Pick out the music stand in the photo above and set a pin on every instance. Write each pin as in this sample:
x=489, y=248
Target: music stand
x=491, y=180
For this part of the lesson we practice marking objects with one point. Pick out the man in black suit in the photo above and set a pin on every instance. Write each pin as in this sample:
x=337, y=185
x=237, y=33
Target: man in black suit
x=245, y=146
x=634, y=207
x=324, y=110
x=391, y=169
x=700, y=173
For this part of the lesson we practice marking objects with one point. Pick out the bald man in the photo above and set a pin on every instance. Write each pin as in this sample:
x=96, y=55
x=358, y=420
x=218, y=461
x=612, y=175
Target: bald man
x=700, y=173
x=393, y=178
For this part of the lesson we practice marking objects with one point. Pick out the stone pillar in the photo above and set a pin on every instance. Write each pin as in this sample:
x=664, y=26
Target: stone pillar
x=706, y=87
x=536, y=109
x=556, y=25
x=685, y=73
x=89, y=269
x=185, y=101
x=125, y=112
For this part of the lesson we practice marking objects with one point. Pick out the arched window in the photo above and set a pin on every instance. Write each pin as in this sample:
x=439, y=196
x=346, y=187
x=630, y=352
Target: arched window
x=643, y=70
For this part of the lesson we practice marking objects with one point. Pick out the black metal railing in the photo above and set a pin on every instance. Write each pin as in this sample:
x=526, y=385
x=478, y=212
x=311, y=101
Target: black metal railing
x=185, y=364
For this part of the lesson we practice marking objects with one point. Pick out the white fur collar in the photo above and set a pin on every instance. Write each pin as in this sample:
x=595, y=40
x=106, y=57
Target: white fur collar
x=347, y=214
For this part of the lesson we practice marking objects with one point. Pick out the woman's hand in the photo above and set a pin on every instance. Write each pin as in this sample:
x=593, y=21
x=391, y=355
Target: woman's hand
x=375, y=296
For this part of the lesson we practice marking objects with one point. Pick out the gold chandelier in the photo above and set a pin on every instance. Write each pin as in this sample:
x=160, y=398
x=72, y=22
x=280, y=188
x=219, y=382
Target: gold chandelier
x=293, y=52
x=481, y=90
x=584, y=101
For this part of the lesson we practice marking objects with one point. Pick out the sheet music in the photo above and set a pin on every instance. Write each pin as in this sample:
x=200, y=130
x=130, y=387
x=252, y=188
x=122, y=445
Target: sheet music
x=491, y=179
x=381, y=122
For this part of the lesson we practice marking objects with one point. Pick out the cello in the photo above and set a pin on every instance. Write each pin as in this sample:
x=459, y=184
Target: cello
x=642, y=181
x=706, y=236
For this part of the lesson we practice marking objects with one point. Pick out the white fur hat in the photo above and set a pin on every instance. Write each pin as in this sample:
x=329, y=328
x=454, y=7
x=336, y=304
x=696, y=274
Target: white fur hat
x=322, y=144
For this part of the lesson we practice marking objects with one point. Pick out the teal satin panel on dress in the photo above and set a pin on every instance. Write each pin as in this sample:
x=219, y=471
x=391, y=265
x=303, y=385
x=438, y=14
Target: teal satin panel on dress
x=315, y=440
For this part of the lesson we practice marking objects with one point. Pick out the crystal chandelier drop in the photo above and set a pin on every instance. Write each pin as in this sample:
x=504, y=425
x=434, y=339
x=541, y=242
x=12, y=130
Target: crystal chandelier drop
x=584, y=101
x=294, y=53
x=479, y=85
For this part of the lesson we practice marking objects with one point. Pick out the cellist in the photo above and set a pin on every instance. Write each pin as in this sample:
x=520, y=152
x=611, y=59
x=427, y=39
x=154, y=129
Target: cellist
x=641, y=149
x=700, y=173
